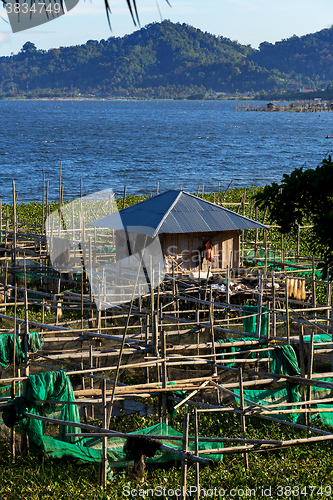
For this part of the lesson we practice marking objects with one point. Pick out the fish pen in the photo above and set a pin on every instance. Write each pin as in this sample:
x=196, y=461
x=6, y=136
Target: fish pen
x=300, y=106
x=252, y=341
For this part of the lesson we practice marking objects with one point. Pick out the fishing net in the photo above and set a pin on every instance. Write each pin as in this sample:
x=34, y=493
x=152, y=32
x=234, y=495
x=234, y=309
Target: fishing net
x=35, y=342
x=250, y=323
x=45, y=387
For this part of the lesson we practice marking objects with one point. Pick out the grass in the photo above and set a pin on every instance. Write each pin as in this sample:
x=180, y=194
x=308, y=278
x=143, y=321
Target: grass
x=307, y=467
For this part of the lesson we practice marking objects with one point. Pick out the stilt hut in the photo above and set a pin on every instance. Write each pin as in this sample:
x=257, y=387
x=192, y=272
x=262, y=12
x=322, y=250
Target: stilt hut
x=194, y=233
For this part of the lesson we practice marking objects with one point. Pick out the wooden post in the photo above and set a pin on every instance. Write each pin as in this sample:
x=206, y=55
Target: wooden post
x=287, y=312
x=85, y=412
x=24, y=442
x=47, y=199
x=332, y=335
x=265, y=243
x=12, y=430
x=196, y=452
x=259, y=317
x=60, y=186
x=43, y=204
x=211, y=322
x=146, y=342
x=227, y=295
x=313, y=282
x=124, y=197
x=14, y=334
x=103, y=465
x=90, y=272
x=6, y=287
x=298, y=242
x=91, y=363
x=184, y=460
x=273, y=307
x=328, y=296
x=302, y=367
x=82, y=273
x=242, y=415
x=197, y=334
x=152, y=310
x=164, y=379
x=26, y=335
x=268, y=320
x=13, y=280
x=256, y=234
x=310, y=366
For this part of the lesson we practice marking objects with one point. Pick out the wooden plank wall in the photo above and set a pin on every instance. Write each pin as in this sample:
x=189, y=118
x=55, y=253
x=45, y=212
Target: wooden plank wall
x=184, y=250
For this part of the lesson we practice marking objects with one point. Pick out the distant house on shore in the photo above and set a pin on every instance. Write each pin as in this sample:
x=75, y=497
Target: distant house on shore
x=270, y=105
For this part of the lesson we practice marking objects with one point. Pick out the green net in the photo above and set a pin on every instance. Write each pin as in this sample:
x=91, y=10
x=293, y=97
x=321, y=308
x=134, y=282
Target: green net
x=250, y=324
x=35, y=342
x=273, y=262
x=321, y=337
x=44, y=387
x=268, y=396
x=283, y=361
x=90, y=449
x=57, y=386
x=235, y=349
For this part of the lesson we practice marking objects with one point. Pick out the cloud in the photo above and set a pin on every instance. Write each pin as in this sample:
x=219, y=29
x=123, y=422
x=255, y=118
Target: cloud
x=4, y=38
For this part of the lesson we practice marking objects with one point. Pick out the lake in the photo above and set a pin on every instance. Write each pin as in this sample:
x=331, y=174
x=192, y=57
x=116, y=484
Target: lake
x=110, y=144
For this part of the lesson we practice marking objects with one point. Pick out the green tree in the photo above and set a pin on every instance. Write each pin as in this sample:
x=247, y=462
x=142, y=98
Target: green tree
x=304, y=197
x=29, y=47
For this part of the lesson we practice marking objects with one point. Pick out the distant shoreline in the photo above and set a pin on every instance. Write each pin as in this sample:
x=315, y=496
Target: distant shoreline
x=265, y=98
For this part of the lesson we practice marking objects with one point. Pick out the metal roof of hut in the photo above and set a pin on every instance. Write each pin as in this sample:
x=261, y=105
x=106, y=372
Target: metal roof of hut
x=176, y=211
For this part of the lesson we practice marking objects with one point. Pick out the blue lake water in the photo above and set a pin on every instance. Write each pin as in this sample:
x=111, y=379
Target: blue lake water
x=110, y=144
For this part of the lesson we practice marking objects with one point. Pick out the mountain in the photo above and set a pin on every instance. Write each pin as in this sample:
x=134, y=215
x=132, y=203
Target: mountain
x=308, y=58
x=168, y=60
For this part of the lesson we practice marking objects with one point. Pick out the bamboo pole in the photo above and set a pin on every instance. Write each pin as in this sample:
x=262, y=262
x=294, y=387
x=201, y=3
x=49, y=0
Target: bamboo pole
x=13, y=276
x=196, y=450
x=14, y=333
x=124, y=197
x=125, y=331
x=287, y=311
x=242, y=414
x=184, y=459
x=12, y=430
x=302, y=367
x=60, y=186
x=103, y=467
x=164, y=379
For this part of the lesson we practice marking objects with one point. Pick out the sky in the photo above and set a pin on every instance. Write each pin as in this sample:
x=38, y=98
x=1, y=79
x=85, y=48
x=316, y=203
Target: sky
x=247, y=21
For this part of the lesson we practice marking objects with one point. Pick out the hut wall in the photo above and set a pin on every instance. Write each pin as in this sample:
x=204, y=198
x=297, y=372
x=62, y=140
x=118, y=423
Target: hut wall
x=186, y=250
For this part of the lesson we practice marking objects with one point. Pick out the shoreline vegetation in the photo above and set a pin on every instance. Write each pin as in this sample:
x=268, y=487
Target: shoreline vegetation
x=280, y=97
x=306, y=469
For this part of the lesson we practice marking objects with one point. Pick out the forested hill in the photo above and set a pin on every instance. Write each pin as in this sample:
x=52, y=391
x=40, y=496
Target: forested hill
x=308, y=58
x=168, y=60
